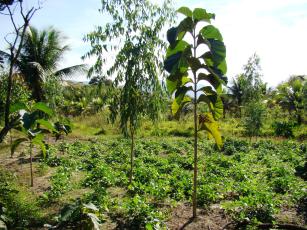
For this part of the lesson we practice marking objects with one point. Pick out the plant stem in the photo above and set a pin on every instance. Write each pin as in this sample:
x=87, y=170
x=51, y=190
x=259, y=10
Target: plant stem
x=131, y=156
x=31, y=167
x=195, y=135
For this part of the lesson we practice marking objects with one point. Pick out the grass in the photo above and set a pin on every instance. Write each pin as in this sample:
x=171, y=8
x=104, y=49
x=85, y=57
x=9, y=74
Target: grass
x=256, y=175
x=256, y=181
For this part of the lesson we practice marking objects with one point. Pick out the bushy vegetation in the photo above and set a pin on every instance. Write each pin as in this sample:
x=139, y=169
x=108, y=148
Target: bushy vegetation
x=163, y=179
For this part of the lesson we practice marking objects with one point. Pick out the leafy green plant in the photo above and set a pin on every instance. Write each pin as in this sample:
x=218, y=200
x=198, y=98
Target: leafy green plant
x=137, y=61
x=209, y=67
x=284, y=129
x=78, y=214
x=59, y=184
x=18, y=207
x=254, y=118
x=32, y=128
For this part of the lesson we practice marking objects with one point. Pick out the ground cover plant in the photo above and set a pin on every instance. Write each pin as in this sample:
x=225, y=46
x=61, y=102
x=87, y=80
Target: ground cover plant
x=251, y=183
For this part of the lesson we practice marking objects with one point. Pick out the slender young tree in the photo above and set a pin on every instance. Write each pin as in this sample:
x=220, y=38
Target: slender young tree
x=195, y=76
x=134, y=35
x=10, y=8
x=28, y=127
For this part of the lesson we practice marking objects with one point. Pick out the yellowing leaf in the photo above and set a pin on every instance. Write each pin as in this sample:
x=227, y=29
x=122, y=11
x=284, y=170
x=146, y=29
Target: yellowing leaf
x=207, y=122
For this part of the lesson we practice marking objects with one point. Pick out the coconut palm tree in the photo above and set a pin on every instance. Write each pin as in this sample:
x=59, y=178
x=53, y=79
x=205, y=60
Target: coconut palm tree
x=291, y=96
x=39, y=59
x=236, y=91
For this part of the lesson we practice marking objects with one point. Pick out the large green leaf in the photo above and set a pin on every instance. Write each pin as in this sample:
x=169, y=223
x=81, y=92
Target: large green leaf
x=17, y=107
x=194, y=64
x=206, y=122
x=180, y=46
x=172, y=85
x=211, y=32
x=217, y=49
x=214, y=103
x=200, y=14
x=16, y=143
x=185, y=26
x=43, y=107
x=172, y=35
x=46, y=124
x=218, y=107
x=29, y=119
x=207, y=90
x=181, y=98
x=215, y=66
x=176, y=106
x=185, y=11
x=176, y=58
x=212, y=79
x=39, y=141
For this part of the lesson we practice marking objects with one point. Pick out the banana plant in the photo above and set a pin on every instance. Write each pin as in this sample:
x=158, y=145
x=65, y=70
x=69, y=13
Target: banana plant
x=196, y=73
x=32, y=128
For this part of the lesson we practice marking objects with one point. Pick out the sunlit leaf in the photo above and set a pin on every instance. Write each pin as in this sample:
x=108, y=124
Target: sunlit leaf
x=211, y=32
x=39, y=141
x=17, y=107
x=214, y=103
x=176, y=106
x=185, y=11
x=200, y=14
x=43, y=107
x=47, y=125
x=206, y=122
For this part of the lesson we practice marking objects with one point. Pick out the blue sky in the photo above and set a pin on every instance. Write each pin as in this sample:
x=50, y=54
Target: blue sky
x=275, y=29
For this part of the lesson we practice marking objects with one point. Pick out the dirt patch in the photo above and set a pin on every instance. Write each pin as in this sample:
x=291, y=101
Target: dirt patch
x=213, y=219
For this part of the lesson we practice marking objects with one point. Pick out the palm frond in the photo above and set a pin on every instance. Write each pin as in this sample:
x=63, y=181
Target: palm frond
x=69, y=71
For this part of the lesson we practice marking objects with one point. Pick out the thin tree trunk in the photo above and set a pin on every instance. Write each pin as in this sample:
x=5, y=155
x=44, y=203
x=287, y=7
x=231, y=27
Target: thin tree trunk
x=13, y=59
x=11, y=143
x=4, y=132
x=131, y=157
x=31, y=166
x=195, y=137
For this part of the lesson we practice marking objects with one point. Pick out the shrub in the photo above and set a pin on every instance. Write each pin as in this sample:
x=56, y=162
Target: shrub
x=254, y=117
x=21, y=209
x=283, y=129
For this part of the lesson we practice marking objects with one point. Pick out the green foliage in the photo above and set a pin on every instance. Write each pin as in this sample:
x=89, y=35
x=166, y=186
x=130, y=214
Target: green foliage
x=79, y=215
x=20, y=93
x=248, y=86
x=137, y=62
x=38, y=62
x=254, y=118
x=283, y=129
x=29, y=125
x=60, y=183
x=251, y=181
x=20, y=208
x=81, y=99
x=291, y=96
x=181, y=57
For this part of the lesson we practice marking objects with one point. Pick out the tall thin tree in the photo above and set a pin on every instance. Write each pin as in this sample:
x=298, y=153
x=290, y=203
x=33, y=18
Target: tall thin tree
x=187, y=68
x=134, y=35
